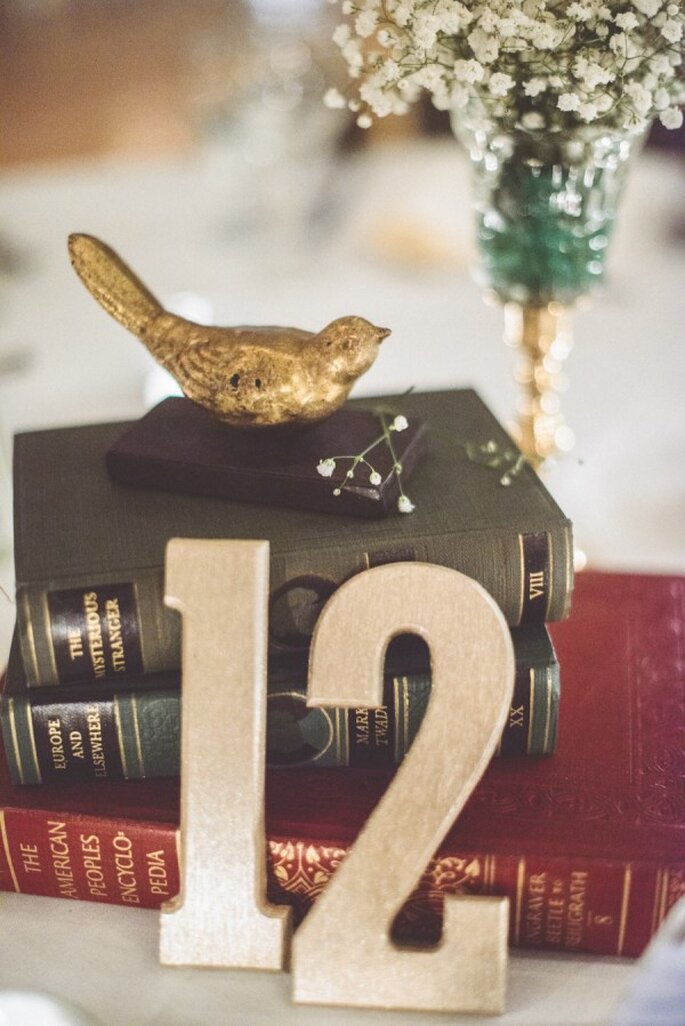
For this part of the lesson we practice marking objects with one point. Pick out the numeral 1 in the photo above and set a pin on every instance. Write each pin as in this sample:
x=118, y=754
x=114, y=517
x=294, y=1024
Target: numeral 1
x=221, y=917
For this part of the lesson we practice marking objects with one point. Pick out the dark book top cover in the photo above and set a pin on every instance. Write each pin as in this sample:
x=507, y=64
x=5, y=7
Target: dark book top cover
x=89, y=554
x=71, y=518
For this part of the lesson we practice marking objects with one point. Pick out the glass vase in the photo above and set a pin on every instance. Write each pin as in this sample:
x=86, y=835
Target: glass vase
x=545, y=208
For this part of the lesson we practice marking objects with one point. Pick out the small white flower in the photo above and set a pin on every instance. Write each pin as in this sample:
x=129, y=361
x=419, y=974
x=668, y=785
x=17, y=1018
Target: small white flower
x=405, y=505
x=588, y=111
x=365, y=23
x=326, y=467
x=375, y=478
x=425, y=30
x=534, y=86
x=341, y=34
x=568, y=101
x=468, y=71
x=671, y=117
x=626, y=21
x=364, y=121
x=500, y=84
x=485, y=48
x=400, y=423
x=660, y=64
x=533, y=120
x=545, y=36
x=391, y=71
x=672, y=31
x=579, y=12
x=403, y=12
x=641, y=98
x=334, y=100
x=661, y=99
x=458, y=97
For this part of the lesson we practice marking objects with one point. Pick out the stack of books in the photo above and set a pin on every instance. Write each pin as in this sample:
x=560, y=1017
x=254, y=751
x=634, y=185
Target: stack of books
x=588, y=843
x=93, y=680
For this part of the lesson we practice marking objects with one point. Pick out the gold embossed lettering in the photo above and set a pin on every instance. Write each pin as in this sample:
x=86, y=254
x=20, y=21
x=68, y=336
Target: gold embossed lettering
x=30, y=859
x=536, y=584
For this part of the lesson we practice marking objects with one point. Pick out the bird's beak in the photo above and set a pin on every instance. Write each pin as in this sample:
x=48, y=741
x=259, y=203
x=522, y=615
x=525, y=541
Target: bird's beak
x=382, y=333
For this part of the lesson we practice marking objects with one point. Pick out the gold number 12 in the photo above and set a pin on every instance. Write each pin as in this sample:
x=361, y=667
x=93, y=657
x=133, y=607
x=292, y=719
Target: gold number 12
x=342, y=953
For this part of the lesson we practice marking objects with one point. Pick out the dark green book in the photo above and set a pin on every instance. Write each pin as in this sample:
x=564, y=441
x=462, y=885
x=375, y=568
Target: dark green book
x=103, y=731
x=89, y=554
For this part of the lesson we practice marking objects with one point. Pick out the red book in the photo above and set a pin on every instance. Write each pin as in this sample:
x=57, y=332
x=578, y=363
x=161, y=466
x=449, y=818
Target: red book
x=589, y=844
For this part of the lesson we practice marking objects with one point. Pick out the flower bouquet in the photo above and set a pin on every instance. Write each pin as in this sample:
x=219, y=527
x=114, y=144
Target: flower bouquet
x=551, y=99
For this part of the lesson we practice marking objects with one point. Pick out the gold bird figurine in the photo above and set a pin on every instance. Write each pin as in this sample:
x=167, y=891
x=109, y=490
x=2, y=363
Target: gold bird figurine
x=249, y=377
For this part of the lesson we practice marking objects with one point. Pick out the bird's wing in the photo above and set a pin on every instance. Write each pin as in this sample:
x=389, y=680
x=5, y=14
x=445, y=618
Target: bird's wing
x=215, y=368
x=270, y=335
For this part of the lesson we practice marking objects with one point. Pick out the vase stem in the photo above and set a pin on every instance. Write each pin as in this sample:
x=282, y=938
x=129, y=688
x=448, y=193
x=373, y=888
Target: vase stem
x=543, y=337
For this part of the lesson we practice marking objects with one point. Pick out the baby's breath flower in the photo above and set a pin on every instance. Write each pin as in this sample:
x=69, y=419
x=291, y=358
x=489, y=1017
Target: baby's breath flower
x=626, y=20
x=485, y=47
x=568, y=101
x=672, y=31
x=334, y=99
x=583, y=62
x=533, y=120
x=468, y=71
x=588, y=111
x=641, y=98
x=354, y=465
x=342, y=34
x=365, y=23
x=672, y=117
x=534, y=86
x=661, y=99
x=500, y=84
x=326, y=467
x=364, y=121
x=546, y=36
x=579, y=12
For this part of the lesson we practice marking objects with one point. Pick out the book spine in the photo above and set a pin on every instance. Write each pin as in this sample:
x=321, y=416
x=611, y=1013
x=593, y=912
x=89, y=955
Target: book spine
x=135, y=734
x=607, y=907
x=80, y=630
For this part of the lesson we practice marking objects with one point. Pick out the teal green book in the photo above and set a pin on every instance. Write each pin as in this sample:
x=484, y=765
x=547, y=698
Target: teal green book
x=89, y=553
x=107, y=731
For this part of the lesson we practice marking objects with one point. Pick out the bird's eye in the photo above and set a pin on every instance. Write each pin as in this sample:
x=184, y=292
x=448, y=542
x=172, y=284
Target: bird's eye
x=235, y=381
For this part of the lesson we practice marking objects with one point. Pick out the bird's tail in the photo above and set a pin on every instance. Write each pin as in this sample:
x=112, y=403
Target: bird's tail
x=112, y=283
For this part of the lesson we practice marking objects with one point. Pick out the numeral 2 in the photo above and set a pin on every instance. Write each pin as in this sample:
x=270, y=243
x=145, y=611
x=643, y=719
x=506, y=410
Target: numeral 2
x=342, y=953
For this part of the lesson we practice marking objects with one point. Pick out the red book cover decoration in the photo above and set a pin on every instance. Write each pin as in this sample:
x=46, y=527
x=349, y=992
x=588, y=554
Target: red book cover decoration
x=589, y=844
